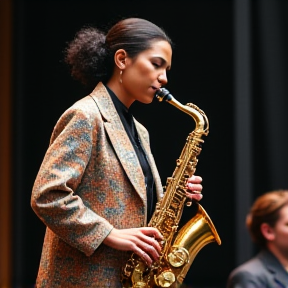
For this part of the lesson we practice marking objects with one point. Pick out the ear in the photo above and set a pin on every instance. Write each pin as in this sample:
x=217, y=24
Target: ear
x=267, y=231
x=119, y=58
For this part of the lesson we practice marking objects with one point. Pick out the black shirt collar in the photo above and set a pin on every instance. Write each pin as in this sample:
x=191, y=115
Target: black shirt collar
x=120, y=107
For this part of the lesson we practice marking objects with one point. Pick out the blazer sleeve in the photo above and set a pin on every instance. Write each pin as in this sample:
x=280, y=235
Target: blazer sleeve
x=53, y=195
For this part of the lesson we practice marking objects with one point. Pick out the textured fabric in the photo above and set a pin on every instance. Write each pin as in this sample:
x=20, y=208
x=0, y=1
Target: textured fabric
x=129, y=125
x=262, y=271
x=90, y=181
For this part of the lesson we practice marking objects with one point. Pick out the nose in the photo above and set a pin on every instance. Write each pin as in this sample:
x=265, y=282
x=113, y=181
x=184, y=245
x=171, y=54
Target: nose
x=162, y=78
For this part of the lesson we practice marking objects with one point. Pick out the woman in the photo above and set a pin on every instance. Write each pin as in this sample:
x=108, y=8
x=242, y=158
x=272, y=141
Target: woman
x=267, y=223
x=98, y=183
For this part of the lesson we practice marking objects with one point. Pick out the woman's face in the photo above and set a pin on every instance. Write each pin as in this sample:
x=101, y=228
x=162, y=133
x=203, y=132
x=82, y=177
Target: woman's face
x=146, y=73
x=281, y=232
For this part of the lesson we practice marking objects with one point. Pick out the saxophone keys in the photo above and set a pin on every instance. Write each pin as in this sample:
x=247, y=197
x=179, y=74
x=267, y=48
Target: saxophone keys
x=178, y=256
x=165, y=279
x=140, y=285
x=188, y=203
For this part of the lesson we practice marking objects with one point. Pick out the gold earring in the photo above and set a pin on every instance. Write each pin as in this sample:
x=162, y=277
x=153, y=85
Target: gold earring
x=120, y=79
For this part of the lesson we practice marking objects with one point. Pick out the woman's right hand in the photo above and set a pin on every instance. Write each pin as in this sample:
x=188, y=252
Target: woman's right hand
x=142, y=241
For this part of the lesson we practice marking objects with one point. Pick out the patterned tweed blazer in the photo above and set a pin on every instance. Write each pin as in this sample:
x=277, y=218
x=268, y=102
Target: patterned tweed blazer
x=90, y=181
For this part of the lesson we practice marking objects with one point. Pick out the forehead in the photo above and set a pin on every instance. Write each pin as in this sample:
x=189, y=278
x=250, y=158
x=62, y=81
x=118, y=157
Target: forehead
x=284, y=213
x=161, y=49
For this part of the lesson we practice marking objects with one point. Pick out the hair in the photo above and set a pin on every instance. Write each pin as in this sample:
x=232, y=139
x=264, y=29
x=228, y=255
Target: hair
x=265, y=209
x=90, y=55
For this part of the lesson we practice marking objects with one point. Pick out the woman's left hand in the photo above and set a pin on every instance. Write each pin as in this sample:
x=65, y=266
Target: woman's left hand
x=194, y=188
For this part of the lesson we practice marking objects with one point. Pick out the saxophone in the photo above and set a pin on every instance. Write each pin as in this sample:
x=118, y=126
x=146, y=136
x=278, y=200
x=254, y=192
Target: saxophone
x=179, y=248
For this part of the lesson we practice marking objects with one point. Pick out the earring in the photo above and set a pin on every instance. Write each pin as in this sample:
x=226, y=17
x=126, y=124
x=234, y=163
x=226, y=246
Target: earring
x=120, y=79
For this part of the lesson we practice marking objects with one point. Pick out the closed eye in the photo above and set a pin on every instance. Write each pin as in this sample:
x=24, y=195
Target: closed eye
x=156, y=65
x=159, y=62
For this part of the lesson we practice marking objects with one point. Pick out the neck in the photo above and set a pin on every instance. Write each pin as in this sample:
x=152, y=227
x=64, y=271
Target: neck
x=118, y=90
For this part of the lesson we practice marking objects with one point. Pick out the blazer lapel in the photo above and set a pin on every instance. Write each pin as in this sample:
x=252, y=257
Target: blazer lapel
x=280, y=275
x=143, y=135
x=120, y=140
x=275, y=268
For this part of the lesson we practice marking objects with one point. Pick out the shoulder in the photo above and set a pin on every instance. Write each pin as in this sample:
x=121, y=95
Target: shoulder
x=254, y=264
x=252, y=273
x=85, y=106
x=84, y=109
x=81, y=117
x=88, y=106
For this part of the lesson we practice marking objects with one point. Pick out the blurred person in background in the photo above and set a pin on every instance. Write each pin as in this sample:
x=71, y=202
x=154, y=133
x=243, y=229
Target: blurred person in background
x=267, y=223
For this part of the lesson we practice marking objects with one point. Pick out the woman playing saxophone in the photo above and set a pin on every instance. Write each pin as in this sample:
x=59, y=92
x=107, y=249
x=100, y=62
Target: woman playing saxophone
x=98, y=183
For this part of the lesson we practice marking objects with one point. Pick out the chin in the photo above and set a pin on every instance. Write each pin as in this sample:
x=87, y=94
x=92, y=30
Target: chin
x=148, y=101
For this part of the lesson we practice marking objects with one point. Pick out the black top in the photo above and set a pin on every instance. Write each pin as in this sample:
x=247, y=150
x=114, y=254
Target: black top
x=129, y=125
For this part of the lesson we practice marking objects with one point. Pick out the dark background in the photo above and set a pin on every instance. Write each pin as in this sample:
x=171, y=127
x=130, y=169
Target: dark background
x=230, y=60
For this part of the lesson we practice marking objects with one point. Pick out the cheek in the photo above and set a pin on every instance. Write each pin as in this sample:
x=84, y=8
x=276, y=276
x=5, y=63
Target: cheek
x=135, y=73
x=282, y=234
x=143, y=72
x=143, y=67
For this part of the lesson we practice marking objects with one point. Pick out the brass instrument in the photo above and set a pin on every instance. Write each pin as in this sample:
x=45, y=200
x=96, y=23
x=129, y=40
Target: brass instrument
x=179, y=248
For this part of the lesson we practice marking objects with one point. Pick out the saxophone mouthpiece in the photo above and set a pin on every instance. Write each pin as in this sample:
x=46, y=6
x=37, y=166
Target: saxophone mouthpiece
x=163, y=94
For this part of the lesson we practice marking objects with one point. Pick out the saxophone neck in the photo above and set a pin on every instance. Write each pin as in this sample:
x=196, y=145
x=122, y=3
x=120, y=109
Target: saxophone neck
x=200, y=118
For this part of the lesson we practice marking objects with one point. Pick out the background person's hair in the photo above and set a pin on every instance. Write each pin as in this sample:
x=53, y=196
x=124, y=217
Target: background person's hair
x=265, y=209
x=90, y=55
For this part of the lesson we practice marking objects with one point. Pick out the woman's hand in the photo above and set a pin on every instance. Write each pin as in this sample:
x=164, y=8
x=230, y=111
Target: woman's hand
x=194, y=188
x=142, y=241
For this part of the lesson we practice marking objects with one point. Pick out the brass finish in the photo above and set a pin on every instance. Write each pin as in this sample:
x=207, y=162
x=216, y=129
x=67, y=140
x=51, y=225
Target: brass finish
x=179, y=248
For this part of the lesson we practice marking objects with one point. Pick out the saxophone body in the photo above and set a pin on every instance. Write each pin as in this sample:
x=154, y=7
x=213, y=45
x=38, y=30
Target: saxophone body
x=179, y=248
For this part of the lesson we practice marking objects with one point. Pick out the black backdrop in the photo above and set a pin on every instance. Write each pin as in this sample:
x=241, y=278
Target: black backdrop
x=203, y=72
